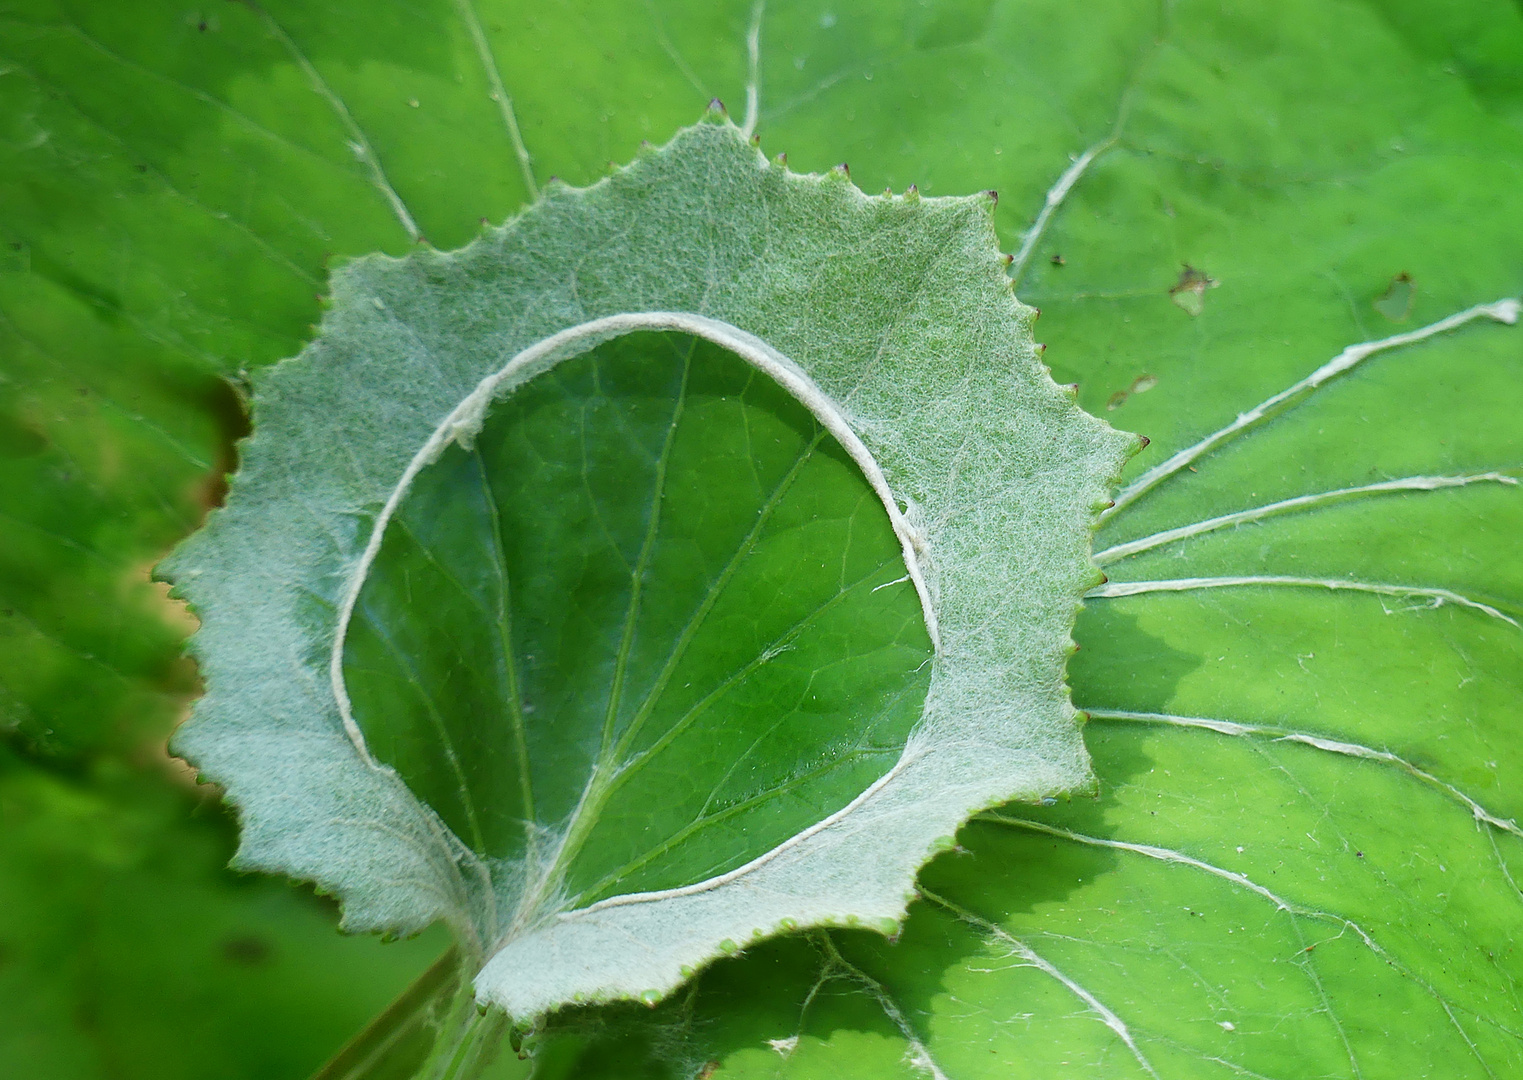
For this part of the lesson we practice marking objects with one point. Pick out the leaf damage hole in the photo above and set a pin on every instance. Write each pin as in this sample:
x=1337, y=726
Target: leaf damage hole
x=648, y=623
x=1189, y=292
x=1140, y=385
x=1396, y=302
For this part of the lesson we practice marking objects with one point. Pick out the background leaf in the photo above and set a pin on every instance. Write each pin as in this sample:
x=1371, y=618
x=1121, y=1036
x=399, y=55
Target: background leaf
x=767, y=670
x=129, y=952
x=1302, y=156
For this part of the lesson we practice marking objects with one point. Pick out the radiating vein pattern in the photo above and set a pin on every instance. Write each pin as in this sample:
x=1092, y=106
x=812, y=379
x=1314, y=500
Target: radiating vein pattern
x=649, y=625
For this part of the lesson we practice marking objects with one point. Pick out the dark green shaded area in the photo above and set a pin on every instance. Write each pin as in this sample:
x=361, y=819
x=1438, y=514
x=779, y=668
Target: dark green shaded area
x=653, y=610
x=126, y=951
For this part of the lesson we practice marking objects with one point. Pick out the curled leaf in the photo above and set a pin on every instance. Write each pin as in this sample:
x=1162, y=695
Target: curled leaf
x=513, y=616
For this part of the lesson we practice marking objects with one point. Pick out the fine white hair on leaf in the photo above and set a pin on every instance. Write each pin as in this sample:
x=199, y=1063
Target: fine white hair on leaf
x=923, y=370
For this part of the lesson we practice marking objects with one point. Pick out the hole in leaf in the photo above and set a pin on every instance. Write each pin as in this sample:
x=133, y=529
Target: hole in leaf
x=650, y=625
x=1140, y=385
x=1189, y=292
x=1396, y=302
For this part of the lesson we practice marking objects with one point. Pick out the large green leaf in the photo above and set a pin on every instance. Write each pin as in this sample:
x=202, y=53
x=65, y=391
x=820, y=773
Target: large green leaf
x=1303, y=156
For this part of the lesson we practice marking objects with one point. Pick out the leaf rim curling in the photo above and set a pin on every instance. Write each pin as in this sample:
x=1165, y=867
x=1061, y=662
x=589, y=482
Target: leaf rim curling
x=346, y=840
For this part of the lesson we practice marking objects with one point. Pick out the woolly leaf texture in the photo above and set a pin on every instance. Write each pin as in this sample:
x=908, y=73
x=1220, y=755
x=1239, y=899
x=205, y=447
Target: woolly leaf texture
x=680, y=563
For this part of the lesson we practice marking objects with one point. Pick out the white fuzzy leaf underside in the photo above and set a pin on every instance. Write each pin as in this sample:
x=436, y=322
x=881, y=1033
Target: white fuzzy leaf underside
x=899, y=313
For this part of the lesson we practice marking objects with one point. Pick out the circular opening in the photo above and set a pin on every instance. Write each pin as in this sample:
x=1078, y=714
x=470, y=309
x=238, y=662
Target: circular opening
x=652, y=623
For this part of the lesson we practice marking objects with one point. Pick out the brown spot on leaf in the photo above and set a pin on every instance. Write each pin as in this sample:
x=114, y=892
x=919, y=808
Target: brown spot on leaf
x=1189, y=292
x=1140, y=385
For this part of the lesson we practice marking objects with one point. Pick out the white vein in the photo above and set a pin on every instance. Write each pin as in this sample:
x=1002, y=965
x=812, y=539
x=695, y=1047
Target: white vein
x=499, y=92
x=1300, y=502
x=358, y=142
x=919, y=1055
x=1055, y=196
x=1436, y=597
x=710, y=884
x=1332, y=746
x=671, y=51
x=753, y=68
x=465, y=420
x=1224, y=1063
x=1029, y=956
x=1505, y=311
x=1502, y=865
x=1242, y=881
x=1159, y=853
x=1071, y=175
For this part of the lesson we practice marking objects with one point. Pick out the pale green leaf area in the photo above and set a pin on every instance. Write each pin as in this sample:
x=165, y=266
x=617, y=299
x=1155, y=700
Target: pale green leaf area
x=604, y=604
x=171, y=194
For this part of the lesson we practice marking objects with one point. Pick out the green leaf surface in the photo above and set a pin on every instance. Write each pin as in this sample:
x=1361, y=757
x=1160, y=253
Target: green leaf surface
x=652, y=600
x=1274, y=169
x=126, y=951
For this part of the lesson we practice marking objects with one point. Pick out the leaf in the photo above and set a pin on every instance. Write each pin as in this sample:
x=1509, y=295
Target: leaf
x=127, y=952
x=574, y=557
x=102, y=468
x=1301, y=155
